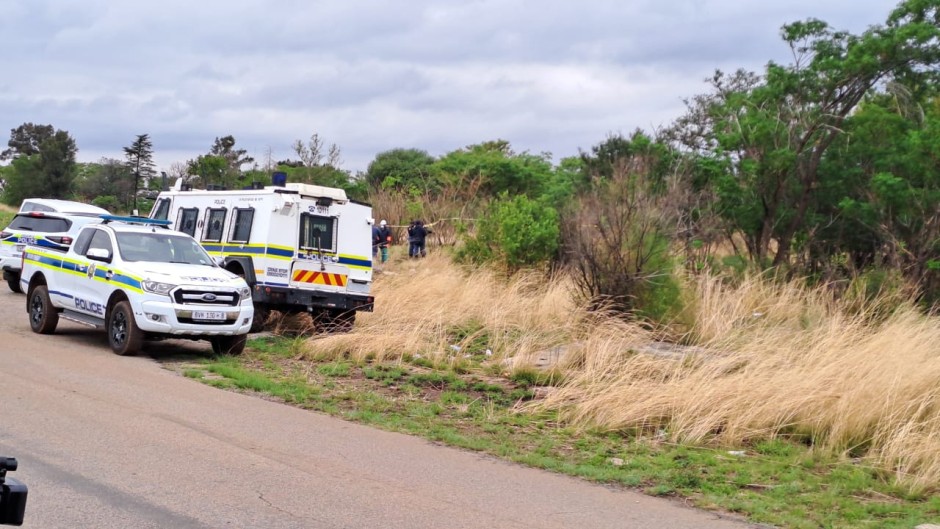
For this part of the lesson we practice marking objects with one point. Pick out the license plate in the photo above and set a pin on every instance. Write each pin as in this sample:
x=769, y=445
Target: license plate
x=208, y=315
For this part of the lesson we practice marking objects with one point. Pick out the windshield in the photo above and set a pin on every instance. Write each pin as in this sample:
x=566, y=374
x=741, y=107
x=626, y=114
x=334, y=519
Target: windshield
x=160, y=247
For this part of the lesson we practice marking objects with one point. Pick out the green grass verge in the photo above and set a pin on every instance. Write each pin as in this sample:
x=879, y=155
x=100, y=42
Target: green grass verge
x=781, y=483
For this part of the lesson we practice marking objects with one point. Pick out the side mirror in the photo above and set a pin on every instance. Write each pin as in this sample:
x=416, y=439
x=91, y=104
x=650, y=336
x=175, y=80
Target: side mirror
x=99, y=254
x=219, y=260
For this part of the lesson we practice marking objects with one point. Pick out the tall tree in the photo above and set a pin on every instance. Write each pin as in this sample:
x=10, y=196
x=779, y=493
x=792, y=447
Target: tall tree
x=772, y=131
x=400, y=168
x=26, y=139
x=49, y=173
x=139, y=160
x=224, y=147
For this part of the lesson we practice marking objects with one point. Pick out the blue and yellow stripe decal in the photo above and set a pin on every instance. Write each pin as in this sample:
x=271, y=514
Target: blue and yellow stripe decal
x=34, y=241
x=267, y=250
x=104, y=273
x=285, y=253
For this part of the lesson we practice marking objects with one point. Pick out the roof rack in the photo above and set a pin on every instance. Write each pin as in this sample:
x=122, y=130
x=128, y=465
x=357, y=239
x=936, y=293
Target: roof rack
x=143, y=221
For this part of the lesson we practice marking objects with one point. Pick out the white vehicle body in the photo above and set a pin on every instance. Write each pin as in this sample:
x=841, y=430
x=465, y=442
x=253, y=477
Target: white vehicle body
x=302, y=248
x=170, y=285
x=46, y=229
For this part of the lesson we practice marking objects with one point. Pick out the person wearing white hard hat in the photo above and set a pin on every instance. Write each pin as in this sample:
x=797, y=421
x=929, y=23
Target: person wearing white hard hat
x=385, y=238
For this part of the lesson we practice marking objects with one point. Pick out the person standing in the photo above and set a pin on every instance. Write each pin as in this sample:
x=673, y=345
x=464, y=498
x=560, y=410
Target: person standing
x=375, y=240
x=417, y=236
x=385, y=238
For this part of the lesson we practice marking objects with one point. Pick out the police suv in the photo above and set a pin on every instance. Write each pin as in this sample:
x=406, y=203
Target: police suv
x=42, y=222
x=136, y=278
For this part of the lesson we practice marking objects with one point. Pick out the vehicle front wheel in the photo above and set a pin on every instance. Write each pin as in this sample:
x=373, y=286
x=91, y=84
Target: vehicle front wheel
x=124, y=337
x=13, y=281
x=229, y=345
x=43, y=317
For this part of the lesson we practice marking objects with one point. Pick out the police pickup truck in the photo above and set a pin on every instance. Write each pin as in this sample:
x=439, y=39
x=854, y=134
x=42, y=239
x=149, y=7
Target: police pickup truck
x=136, y=278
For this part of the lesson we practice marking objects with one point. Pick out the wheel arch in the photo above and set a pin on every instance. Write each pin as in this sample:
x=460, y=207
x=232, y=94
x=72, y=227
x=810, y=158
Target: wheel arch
x=242, y=265
x=37, y=279
x=116, y=297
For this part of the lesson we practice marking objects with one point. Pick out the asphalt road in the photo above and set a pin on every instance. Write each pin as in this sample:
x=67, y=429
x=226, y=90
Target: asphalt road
x=111, y=442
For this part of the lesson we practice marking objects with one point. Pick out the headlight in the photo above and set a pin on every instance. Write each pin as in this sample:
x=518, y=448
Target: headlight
x=244, y=292
x=156, y=287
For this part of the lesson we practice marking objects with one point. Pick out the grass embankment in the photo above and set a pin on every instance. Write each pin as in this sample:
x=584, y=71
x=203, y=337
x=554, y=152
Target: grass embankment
x=794, y=411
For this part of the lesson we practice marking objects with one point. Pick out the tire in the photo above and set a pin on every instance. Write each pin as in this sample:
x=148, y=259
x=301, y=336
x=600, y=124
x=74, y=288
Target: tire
x=229, y=345
x=124, y=336
x=261, y=316
x=14, y=283
x=43, y=317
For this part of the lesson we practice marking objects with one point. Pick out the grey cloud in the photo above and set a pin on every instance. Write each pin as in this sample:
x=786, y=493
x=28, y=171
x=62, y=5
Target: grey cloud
x=554, y=75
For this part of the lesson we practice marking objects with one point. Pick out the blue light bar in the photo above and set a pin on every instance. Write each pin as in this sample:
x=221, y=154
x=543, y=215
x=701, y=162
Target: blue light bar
x=135, y=220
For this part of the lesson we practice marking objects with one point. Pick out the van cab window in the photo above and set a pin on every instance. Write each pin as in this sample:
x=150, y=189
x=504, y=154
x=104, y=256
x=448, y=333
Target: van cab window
x=162, y=211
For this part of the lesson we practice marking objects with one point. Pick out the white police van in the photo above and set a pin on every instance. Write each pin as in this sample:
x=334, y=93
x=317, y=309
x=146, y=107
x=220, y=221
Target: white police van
x=301, y=247
x=137, y=279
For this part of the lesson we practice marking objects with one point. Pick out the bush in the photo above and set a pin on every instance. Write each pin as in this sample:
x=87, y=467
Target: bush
x=619, y=244
x=108, y=202
x=517, y=233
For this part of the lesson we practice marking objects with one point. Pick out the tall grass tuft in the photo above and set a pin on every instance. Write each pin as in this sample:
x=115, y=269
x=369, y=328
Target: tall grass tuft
x=782, y=360
x=437, y=310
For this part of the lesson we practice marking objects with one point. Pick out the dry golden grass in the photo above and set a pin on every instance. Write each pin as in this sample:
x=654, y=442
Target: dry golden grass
x=782, y=360
x=773, y=359
x=423, y=307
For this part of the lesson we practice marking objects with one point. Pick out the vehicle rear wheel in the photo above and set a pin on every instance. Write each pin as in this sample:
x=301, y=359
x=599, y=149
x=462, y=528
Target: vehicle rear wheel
x=13, y=281
x=229, y=345
x=43, y=317
x=124, y=336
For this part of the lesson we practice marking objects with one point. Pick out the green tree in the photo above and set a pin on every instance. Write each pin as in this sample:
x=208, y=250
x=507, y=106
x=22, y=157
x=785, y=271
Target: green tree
x=109, y=181
x=224, y=148
x=139, y=160
x=209, y=169
x=26, y=139
x=48, y=173
x=492, y=168
x=773, y=131
x=517, y=232
x=402, y=169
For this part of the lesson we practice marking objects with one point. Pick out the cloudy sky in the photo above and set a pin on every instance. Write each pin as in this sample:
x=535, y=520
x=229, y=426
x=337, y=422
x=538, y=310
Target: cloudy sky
x=548, y=75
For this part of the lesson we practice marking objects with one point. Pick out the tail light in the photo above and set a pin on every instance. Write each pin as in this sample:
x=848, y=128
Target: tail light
x=64, y=239
x=36, y=214
x=5, y=234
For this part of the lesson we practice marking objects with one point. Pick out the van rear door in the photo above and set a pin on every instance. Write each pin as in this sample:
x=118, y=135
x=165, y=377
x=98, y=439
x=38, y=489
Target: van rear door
x=317, y=264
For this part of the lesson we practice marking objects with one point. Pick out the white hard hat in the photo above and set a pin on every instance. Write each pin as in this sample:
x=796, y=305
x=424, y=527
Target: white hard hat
x=382, y=223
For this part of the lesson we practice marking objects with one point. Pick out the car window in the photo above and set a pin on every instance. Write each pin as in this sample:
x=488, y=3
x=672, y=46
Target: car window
x=101, y=240
x=81, y=244
x=40, y=224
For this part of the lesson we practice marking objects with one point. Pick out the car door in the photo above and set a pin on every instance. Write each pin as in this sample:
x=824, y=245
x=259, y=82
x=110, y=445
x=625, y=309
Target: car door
x=92, y=287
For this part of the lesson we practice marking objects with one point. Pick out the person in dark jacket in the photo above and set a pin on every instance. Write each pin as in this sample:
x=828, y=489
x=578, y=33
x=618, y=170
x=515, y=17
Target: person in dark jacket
x=417, y=235
x=376, y=238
